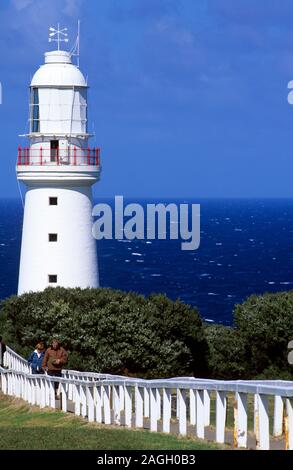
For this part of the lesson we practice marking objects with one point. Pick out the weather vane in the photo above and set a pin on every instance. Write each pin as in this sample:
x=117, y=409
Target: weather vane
x=61, y=35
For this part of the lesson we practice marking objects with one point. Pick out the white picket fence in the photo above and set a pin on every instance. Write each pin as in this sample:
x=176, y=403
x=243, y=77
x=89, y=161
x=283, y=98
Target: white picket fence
x=184, y=402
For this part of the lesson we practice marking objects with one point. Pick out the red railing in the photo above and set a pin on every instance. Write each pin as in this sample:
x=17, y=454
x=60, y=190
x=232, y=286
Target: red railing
x=74, y=156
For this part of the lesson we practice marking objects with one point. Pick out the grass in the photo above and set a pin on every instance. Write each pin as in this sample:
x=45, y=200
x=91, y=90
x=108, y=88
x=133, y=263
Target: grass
x=28, y=428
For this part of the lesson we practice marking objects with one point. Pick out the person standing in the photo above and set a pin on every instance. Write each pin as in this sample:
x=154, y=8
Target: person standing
x=36, y=358
x=2, y=351
x=55, y=358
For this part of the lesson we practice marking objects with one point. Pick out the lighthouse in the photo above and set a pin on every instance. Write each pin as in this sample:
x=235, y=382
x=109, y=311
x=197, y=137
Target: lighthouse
x=58, y=168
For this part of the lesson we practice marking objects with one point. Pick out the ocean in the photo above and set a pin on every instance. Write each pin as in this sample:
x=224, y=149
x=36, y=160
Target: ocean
x=246, y=248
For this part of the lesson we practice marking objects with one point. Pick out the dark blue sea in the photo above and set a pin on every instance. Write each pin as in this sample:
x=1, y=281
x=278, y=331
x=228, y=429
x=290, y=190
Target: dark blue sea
x=246, y=248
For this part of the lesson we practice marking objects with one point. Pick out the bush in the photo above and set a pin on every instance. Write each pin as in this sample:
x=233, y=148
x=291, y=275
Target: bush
x=265, y=324
x=226, y=353
x=109, y=331
x=115, y=332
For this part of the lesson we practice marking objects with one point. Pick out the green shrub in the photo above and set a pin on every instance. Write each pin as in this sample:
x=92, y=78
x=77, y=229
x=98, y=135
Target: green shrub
x=109, y=331
x=265, y=324
x=116, y=332
x=226, y=353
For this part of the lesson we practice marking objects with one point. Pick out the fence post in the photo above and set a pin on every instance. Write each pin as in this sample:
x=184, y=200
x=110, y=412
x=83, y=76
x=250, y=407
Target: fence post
x=255, y=414
x=182, y=412
x=106, y=400
x=241, y=423
x=177, y=403
x=116, y=404
x=90, y=401
x=70, y=389
x=146, y=401
x=278, y=416
x=158, y=397
x=128, y=406
x=29, y=390
x=16, y=385
x=138, y=407
x=47, y=391
x=4, y=383
x=10, y=383
x=192, y=406
x=52, y=394
x=22, y=387
x=42, y=393
x=83, y=400
x=98, y=402
x=221, y=405
x=63, y=395
x=121, y=397
x=76, y=397
x=200, y=416
x=37, y=386
x=207, y=407
x=166, y=409
x=289, y=434
x=25, y=391
x=153, y=409
x=263, y=442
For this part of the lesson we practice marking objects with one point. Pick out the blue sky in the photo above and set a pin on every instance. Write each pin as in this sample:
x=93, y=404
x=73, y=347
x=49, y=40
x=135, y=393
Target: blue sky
x=188, y=97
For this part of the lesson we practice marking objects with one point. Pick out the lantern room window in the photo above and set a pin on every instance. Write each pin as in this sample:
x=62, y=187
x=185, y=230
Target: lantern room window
x=35, y=110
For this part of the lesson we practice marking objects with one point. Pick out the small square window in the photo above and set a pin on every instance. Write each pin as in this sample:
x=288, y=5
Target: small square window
x=53, y=201
x=53, y=237
x=52, y=278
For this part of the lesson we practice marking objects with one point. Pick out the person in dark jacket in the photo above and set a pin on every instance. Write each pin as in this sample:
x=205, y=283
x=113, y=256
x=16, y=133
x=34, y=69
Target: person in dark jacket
x=36, y=358
x=2, y=351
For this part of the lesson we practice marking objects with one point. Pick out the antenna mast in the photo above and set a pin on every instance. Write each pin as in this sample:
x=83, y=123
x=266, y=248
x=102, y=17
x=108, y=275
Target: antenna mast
x=78, y=41
x=75, y=51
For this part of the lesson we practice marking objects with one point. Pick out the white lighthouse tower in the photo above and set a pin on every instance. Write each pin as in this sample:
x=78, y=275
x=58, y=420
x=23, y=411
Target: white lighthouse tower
x=58, y=168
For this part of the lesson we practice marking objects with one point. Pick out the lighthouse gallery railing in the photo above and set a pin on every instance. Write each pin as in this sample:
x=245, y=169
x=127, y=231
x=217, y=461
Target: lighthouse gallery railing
x=73, y=156
x=118, y=400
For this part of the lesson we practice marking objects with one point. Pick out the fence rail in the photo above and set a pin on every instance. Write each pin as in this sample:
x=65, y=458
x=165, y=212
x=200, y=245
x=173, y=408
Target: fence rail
x=164, y=403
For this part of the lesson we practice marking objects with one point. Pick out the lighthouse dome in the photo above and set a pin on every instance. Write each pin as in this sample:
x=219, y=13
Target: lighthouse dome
x=58, y=71
x=58, y=103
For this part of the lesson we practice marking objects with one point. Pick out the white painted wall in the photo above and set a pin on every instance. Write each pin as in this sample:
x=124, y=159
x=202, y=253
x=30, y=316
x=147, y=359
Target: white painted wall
x=73, y=257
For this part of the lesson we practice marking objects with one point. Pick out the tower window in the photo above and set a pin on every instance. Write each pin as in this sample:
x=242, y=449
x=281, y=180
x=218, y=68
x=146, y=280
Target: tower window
x=52, y=278
x=53, y=237
x=53, y=201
